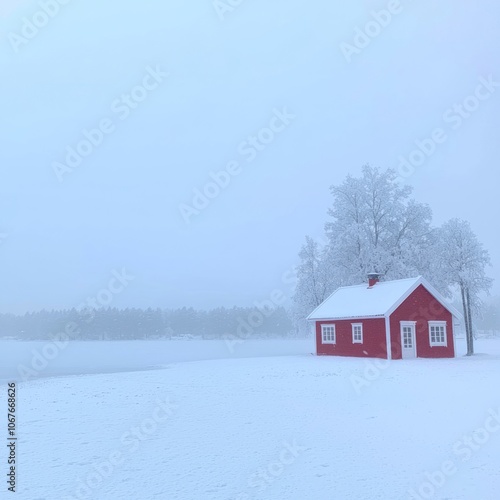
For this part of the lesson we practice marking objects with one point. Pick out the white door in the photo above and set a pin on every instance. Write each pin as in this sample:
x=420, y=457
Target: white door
x=408, y=346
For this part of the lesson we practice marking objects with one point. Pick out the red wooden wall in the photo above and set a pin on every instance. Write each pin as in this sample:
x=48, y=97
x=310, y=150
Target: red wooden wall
x=373, y=346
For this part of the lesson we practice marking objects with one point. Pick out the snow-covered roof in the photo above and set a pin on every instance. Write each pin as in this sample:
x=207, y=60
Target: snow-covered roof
x=360, y=301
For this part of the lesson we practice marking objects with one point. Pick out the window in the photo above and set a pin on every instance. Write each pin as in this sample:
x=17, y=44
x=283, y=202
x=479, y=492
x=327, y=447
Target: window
x=328, y=334
x=437, y=333
x=407, y=337
x=357, y=333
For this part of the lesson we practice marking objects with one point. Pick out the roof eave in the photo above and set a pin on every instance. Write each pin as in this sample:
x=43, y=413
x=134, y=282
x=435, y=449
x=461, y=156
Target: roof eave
x=338, y=318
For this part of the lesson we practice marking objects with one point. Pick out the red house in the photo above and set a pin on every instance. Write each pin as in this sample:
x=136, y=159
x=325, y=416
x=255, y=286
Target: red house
x=397, y=319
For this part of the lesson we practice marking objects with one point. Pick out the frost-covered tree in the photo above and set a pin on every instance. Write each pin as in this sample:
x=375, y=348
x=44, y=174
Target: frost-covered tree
x=315, y=278
x=463, y=262
x=377, y=226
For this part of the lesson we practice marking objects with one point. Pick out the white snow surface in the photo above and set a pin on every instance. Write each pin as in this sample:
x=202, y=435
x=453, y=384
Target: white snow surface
x=283, y=427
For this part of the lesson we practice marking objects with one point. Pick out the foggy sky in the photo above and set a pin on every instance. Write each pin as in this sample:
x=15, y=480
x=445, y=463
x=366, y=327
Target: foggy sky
x=277, y=65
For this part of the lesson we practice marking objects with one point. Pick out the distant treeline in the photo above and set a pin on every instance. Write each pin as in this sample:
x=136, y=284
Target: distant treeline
x=128, y=324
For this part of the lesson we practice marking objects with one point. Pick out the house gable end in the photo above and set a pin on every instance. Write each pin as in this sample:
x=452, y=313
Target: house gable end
x=423, y=309
x=432, y=291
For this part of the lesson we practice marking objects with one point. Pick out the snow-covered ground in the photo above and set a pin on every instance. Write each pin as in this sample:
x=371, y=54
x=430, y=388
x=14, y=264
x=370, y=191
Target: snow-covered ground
x=241, y=428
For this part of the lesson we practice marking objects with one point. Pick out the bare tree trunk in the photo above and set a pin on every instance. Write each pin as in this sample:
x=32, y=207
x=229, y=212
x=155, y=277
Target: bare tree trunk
x=466, y=320
x=469, y=316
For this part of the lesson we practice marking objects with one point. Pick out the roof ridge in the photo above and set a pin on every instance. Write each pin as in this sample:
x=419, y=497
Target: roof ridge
x=415, y=278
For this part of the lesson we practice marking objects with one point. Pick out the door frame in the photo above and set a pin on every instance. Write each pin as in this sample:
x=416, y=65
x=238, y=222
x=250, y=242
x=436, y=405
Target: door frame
x=413, y=326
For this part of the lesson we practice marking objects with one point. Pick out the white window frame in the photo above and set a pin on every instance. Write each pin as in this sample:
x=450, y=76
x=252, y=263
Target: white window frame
x=434, y=324
x=354, y=327
x=329, y=340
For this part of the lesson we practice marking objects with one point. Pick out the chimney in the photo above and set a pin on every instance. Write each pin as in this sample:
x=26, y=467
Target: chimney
x=373, y=279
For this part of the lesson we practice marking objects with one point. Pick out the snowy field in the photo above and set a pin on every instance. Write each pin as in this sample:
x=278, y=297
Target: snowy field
x=281, y=425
